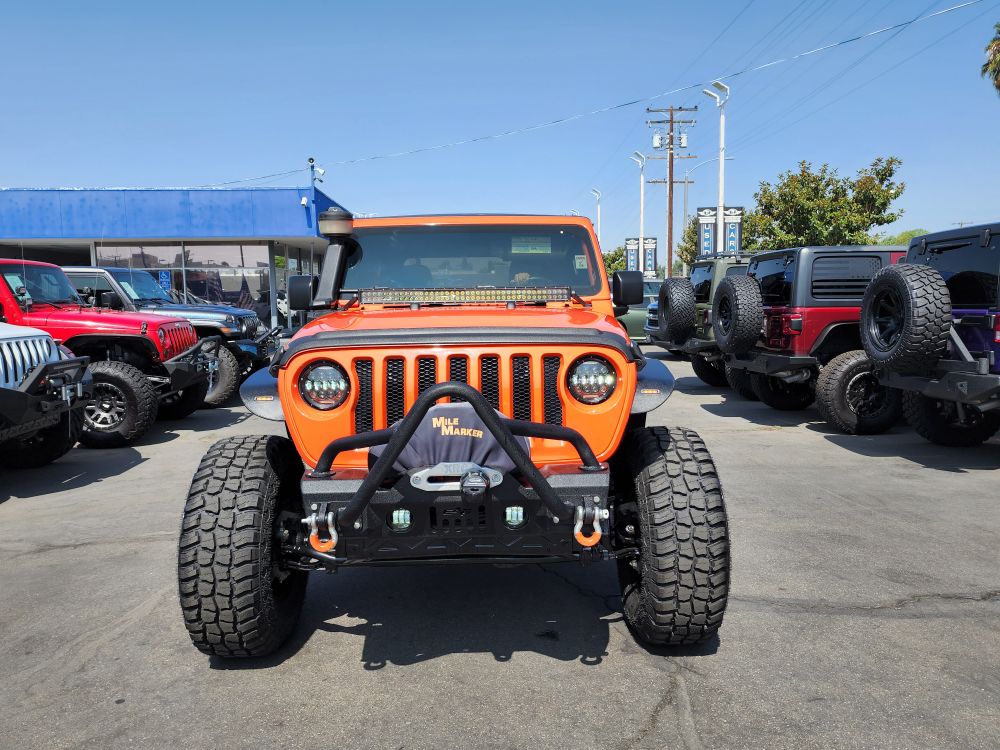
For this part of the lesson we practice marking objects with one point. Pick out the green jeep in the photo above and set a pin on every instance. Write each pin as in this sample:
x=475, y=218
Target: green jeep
x=685, y=325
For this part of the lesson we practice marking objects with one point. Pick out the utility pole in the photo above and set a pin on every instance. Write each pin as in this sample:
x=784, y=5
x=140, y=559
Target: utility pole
x=671, y=146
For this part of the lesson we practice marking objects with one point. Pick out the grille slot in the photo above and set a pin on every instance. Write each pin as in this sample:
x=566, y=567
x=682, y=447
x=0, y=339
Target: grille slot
x=426, y=373
x=458, y=372
x=363, y=421
x=521, y=387
x=553, y=406
x=20, y=356
x=395, y=391
x=489, y=378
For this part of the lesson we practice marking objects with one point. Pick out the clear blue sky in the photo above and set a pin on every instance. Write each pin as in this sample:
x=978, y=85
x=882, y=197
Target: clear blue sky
x=182, y=93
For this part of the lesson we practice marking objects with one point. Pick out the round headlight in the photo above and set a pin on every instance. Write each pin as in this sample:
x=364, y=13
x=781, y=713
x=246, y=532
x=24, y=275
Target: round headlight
x=162, y=335
x=230, y=319
x=324, y=385
x=591, y=380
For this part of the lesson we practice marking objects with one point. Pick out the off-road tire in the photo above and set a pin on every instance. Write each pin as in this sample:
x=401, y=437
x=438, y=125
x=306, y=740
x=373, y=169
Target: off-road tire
x=737, y=314
x=675, y=592
x=45, y=446
x=921, y=324
x=676, y=310
x=780, y=395
x=141, y=405
x=739, y=380
x=710, y=373
x=184, y=403
x=233, y=602
x=935, y=421
x=846, y=385
x=227, y=379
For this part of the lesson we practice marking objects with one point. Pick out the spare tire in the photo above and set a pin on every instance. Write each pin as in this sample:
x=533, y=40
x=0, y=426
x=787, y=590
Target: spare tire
x=737, y=314
x=905, y=318
x=676, y=310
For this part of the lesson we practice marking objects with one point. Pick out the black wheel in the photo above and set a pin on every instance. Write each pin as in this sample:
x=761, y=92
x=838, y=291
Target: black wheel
x=45, y=446
x=906, y=317
x=671, y=507
x=944, y=423
x=850, y=397
x=710, y=372
x=183, y=403
x=780, y=395
x=225, y=380
x=676, y=310
x=237, y=598
x=739, y=380
x=737, y=314
x=122, y=409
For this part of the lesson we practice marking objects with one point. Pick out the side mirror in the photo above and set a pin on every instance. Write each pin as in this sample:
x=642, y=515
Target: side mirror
x=626, y=288
x=111, y=301
x=301, y=292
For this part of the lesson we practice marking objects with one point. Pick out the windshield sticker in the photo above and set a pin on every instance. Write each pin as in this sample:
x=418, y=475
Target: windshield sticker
x=18, y=286
x=531, y=245
x=580, y=262
x=128, y=289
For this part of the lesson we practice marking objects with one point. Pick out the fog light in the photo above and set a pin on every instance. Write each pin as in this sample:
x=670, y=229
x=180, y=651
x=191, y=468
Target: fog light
x=400, y=520
x=514, y=516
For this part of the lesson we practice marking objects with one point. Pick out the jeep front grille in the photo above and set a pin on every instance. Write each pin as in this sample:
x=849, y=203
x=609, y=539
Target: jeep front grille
x=180, y=338
x=509, y=386
x=18, y=357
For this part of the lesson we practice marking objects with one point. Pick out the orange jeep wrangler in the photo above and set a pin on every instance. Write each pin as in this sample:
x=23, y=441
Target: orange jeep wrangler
x=467, y=395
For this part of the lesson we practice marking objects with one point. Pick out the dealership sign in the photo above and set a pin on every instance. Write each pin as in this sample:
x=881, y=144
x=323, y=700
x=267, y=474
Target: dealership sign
x=632, y=253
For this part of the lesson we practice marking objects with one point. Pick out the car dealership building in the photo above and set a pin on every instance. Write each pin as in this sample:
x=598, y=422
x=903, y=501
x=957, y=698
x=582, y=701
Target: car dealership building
x=232, y=245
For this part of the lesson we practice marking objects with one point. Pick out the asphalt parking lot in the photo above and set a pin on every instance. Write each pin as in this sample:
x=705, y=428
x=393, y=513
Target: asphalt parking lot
x=864, y=612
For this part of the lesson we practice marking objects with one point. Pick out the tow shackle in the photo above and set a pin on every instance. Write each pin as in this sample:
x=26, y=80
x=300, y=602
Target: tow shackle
x=591, y=517
x=322, y=545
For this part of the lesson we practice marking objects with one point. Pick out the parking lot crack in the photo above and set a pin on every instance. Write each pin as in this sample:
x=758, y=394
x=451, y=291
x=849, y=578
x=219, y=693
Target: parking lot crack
x=894, y=605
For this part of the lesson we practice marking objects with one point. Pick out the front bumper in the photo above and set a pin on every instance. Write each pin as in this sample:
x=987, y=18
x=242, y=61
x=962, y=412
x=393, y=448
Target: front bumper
x=193, y=366
x=764, y=362
x=446, y=522
x=51, y=389
x=261, y=349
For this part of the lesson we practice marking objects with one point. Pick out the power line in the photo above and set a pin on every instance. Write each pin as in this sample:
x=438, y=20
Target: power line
x=622, y=105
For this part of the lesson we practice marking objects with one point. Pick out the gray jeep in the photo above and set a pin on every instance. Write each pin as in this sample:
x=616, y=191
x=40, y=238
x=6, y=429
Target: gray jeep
x=43, y=390
x=247, y=345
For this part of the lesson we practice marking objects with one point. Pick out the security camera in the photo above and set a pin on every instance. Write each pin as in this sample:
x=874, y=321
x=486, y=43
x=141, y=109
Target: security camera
x=304, y=201
x=311, y=161
x=320, y=171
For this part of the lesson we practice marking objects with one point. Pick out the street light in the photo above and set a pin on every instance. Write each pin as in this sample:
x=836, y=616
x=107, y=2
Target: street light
x=720, y=102
x=597, y=194
x=640, y=159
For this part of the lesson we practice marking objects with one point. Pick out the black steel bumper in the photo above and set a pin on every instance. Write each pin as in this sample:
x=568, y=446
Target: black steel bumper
x=953, y=381
x=446, y=522
x=51, y=389
x=192, y=366
x=770, y=363
x=261, y=349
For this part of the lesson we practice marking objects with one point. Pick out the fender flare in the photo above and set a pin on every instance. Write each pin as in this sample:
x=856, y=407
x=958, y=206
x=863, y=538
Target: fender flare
x=259, y=393
x=653, y=386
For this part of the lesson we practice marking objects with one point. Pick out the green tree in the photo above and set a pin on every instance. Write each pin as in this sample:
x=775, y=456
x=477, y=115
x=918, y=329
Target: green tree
x=687, y=249
x=903, y=238
x=614, y=260
x=991, y=68
x=819, y=207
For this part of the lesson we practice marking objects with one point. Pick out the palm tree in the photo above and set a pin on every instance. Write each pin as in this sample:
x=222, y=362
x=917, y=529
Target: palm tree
x=991, y=68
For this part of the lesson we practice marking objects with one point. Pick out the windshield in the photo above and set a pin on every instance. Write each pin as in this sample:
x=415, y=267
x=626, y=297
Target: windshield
x=141, y=286
x=37, y=284
x=465, y=257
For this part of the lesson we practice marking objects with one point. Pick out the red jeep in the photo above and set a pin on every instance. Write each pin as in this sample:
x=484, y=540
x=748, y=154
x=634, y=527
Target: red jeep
x=792, y=324
x=143, y=365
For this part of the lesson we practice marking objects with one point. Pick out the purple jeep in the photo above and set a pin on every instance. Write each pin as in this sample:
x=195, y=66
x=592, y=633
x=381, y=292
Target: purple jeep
x=932, y=326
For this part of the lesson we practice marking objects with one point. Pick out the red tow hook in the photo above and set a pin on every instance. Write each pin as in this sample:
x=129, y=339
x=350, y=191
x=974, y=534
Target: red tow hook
x=593, y=518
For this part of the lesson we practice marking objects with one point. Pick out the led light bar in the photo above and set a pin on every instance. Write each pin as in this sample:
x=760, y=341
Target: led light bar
x=495, y=295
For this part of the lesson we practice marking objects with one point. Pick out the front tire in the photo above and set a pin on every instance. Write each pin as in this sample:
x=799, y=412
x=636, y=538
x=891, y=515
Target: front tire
x=850, y=398
x=237, y=598
x=780, y=395
x=225, y=380
x=45, y=446
x=184, y=403
x=123, y=407
x=941, y=423
x=710, y=373
x=675, y=591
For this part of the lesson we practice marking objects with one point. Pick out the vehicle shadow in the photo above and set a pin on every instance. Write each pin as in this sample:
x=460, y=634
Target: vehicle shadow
x=911, y=447
x=408, y=615
x=203, y=420
x=734, y=406
x=78, y=468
